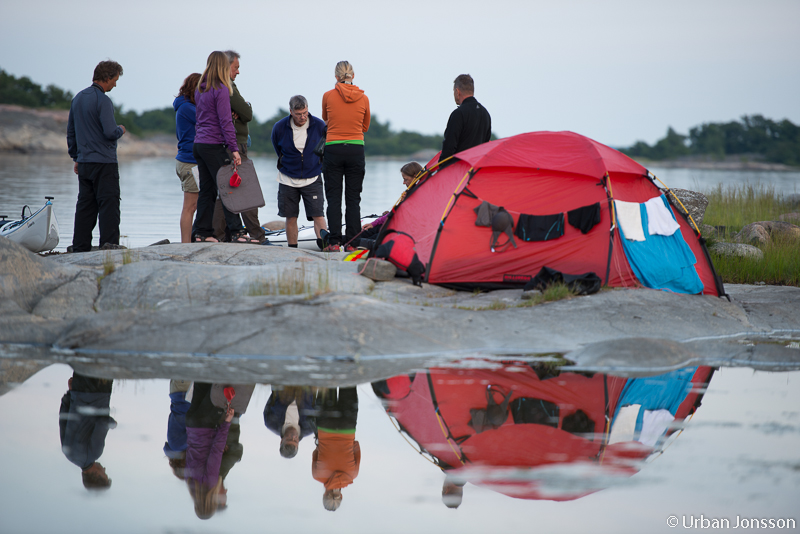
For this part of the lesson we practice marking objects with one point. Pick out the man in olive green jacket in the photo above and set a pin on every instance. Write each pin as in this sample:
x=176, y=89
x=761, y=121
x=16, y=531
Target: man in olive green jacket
x=242, y=114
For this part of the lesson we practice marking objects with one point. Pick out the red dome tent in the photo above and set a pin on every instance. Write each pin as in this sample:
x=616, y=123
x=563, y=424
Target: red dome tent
x=538, y=174
x=435, y=409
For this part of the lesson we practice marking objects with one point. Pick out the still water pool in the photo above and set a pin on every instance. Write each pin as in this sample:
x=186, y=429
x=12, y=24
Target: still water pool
x=553, y=464
x=152, y=198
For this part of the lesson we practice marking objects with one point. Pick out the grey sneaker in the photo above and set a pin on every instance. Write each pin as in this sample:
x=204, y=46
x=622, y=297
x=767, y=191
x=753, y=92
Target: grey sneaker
x=112, y=246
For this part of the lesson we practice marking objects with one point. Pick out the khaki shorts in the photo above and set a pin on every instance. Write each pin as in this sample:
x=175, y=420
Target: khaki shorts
x=184, y=172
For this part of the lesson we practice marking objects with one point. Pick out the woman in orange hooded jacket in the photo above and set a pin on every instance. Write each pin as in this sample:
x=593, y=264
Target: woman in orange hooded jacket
x=345, y=109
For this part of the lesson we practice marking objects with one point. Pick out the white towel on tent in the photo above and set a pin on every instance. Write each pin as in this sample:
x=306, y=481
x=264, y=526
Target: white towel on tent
x=659, y=217
x=624, y=427
x=654, y=425
x=629, y=218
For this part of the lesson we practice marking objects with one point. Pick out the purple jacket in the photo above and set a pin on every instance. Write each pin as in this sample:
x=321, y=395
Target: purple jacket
x=214, y=121
x=204, y=452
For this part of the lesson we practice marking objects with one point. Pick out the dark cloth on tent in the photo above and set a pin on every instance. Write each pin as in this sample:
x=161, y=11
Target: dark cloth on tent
x=582, y=284
x=469, y=125
x=485, y=212
x=540, y=227
x=663, y=262
x=585, y=218
x=502, y=223
x=494, y=415
x=532, y=411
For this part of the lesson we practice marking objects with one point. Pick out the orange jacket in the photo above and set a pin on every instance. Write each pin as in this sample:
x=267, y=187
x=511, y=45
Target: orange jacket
x=336, y=459
x=346, y=110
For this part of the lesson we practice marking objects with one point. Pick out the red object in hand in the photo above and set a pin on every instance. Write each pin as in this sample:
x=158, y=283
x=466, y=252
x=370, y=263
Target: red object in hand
x=236, y=180
x=229, y=392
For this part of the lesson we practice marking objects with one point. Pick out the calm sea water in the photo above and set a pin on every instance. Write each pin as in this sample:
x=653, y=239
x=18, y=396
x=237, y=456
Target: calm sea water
x=736, y=457
x=152, y=197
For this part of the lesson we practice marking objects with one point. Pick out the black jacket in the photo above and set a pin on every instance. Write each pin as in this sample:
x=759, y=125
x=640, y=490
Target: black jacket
x=469, y=125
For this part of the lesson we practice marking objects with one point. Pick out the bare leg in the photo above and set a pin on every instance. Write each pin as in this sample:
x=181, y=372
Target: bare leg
x=187, y=216
x=319, y=224
x=291, y=230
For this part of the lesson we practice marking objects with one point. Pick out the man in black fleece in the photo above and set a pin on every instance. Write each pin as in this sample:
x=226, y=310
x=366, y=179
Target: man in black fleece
x=469, y=124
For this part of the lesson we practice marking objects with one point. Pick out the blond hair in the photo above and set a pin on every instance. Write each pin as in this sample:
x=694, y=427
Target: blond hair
x=344, y=72
x=217, y=73
x=205, y=497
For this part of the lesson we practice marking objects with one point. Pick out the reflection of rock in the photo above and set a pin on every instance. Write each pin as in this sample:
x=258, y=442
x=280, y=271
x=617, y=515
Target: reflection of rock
x=38, y=130
x=693, y=201
x=763, y=232
x=737, y=249
x=13, y=373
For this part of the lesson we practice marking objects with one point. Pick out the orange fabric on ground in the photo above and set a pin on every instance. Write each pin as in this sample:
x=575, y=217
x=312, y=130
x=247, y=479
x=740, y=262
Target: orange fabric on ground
x=336, y=459
x=346, y=110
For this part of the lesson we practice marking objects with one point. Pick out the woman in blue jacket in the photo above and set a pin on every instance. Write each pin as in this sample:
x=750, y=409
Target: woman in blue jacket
x=185, y=119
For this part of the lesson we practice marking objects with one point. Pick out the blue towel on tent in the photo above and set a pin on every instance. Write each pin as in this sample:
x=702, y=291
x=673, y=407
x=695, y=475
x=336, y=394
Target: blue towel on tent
x=662, y=392
x=663, y=262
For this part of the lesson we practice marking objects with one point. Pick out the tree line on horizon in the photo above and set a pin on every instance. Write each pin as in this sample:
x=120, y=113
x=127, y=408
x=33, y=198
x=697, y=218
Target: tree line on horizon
x=753, y=136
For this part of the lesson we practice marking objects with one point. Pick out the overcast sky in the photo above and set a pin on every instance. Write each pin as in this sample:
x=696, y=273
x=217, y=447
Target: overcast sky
x=617, y=71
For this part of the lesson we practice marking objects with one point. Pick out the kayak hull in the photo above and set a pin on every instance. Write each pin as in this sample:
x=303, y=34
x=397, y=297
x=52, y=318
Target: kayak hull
x=37, y=233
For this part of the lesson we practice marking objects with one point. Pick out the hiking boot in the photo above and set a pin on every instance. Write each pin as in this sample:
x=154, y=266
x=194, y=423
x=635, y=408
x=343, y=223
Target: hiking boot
x=112, y=246
x=267, y=243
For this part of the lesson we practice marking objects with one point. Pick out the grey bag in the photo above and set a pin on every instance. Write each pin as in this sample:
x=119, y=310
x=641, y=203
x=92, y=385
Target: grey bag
x=247, y=195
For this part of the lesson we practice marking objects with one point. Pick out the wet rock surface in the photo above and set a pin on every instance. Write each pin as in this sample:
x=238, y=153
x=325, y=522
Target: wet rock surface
x=277, y=314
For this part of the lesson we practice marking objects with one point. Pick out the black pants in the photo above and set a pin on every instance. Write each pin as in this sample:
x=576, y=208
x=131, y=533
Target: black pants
x=337, y=412
x=98, y=195
x=210, y=159
x=202, y=413
x=343, y=163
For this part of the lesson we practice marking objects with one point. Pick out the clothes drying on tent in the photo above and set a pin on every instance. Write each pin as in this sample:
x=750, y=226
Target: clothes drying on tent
x=660, y=220
x=662, y=262
x=585, y=218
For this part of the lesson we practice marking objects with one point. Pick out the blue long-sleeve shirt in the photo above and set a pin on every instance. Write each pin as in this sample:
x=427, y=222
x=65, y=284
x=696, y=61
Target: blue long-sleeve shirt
x=185, y=120
x=92, y=132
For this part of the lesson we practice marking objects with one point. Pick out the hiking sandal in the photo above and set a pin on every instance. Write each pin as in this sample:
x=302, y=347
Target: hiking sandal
x=246, y=239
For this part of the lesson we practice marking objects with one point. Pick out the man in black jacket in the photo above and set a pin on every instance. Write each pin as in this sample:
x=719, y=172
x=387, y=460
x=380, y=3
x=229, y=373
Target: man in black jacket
x=469, y=124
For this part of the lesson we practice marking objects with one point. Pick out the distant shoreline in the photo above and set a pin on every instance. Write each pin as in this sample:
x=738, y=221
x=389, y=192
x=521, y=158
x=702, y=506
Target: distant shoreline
x=37, y=131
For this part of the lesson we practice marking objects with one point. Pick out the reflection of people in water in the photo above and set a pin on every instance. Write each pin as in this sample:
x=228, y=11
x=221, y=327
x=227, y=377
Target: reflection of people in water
x=175, y=446
x=290, y=414
x=486, y=426
x=83, y=425
x=208, y=428
x=338, y=455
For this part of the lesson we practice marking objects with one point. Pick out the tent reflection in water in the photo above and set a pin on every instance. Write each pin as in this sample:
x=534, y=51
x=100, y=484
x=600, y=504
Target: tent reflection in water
x=567, y=197
x=530, y=431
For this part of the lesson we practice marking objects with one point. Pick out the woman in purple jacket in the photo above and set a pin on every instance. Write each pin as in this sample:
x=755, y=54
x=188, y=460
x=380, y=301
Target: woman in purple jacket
x=215, y=136
x=207, y=429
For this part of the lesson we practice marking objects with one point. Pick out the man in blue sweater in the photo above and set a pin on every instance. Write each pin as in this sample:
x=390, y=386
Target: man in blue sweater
x=92, y=135
x=294, y=138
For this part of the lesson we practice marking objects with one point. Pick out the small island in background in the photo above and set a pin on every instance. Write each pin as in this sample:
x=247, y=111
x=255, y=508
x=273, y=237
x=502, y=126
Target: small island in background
x=33, y=119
